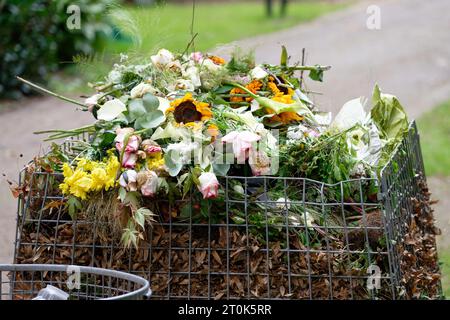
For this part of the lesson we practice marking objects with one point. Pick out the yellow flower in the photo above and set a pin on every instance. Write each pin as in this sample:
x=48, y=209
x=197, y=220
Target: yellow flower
x=280, y=96
x=90, y=176
x=85, y=164
x=155, y=162
x=187, y=109
x=99, y=179
x=112, y=168
x=79, y=183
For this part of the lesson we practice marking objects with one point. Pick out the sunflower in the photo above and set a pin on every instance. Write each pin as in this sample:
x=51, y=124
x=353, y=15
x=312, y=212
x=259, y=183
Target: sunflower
x=186, y=110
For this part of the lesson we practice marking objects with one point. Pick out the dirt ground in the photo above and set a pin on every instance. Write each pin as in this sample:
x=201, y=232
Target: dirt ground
x=408, y=56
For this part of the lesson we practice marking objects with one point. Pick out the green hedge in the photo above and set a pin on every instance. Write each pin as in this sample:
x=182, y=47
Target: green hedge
x=35, y=40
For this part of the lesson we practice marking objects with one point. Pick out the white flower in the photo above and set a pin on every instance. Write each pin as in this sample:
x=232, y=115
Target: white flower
x=242, y=143
x=182, y=151
x=183, y=84
x=162, y=58
x=148, y=182
x=141, y=89
x=259, y=163
x=111, y=110
x=192, y=73
x=128, y=180
x=258, y=73
x=209, y=65
x=209, y=185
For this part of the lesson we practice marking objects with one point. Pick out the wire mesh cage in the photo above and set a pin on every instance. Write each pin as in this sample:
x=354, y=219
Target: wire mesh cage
x=266, y=238
x=25, y=282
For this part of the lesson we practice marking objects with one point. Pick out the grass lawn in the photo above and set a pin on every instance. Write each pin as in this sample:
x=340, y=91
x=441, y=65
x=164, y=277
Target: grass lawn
x=444, y=258
x=434, y=128
x=168, y=26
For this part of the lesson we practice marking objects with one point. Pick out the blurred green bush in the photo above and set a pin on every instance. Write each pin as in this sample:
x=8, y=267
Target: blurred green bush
x=35, y=40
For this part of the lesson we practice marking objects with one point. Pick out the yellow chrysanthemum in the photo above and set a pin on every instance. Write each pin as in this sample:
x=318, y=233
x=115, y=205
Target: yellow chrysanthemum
x=112, y=168
x=99, y=178
x=78, y=184
x=85, y=164
x=187, y=109
x=90, y=176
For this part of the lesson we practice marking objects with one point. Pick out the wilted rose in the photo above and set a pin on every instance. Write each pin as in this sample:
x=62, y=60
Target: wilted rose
x=209, y=185
x=242, y=143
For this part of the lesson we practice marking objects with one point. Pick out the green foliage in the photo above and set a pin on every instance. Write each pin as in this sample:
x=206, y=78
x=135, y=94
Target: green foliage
x=444, y=257
x=390, y=118
x=35, y=40
x=434, y=129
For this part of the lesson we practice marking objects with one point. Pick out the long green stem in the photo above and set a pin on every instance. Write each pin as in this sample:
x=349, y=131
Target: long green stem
x=311, y=68
x=39, y=88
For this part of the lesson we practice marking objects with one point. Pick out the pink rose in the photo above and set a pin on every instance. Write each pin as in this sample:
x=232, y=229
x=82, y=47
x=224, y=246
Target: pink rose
x=133, y=140
x=150, y=185
x=242, y=143
x=209, y=185
x=150, y=146
x=129, y=160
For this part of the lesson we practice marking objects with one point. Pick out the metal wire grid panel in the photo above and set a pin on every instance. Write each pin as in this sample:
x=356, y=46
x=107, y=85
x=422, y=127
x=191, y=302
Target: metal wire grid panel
x=266, y=238
x=409, y=219
x=23, y=282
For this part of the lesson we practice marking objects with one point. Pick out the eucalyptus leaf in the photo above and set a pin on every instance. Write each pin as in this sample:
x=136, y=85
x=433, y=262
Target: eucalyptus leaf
x=221, y=169
x=136, y=109
x=151, y=103
x=173, y=167
x=150, y=120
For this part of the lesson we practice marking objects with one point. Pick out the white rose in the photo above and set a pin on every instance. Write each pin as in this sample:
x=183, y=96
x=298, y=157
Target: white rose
x=258, y=73
x=210, y=65
x=162, y=58
x=141, y=89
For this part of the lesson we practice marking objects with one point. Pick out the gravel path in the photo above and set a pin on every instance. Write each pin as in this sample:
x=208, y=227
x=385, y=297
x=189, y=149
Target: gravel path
x=409, y=56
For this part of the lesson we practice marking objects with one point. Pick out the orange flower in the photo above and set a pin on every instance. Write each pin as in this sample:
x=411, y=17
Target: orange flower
x=253, y=86
x=217, y=60
x=283, y=95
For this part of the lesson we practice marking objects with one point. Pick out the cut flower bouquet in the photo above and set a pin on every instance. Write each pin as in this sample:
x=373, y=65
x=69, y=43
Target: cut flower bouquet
x=176, y=124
